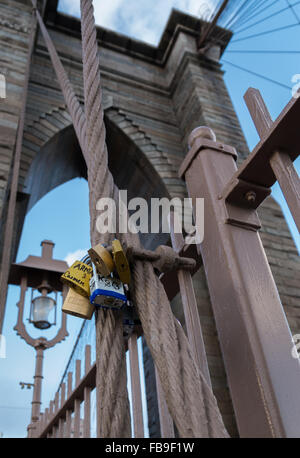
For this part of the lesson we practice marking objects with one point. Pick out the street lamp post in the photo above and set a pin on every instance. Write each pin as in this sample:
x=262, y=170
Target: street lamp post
x=42, y=274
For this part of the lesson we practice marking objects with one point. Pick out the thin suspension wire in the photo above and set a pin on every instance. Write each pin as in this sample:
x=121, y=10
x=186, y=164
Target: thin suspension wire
x=293, y=11
x=251, y=7
x=264, y=19
x=266, y=32
x=261, y=51
x=243, y=13
x=236, y=18
x=278, y=83
x=252, y=16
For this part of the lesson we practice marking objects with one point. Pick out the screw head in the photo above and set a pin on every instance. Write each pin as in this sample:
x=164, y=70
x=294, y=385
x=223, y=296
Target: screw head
x=250, y=196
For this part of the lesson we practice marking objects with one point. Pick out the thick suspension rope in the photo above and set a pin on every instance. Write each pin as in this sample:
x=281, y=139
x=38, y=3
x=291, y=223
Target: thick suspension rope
x=113, y=405
x=190, y=400
x=195, y=413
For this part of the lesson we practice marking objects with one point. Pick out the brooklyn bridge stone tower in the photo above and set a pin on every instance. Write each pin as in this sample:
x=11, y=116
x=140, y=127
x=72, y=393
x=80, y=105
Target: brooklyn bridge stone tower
x=153, y=98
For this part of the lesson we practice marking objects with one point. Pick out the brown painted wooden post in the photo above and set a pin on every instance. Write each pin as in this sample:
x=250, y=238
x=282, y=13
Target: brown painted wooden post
x=190, y=308
x=256, y=342
x=280, y=161
x=69, y=412
x=137, y=406
x=165, y=419
x=87, y=396
x=56, y=407
x=46, y=417
x=289, y=182
x=51, y=414
x=39, y=425
x=77, y=401
x=61, y=423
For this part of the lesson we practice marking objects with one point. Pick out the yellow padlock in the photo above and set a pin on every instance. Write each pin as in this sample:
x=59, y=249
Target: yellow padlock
x=77, y=305
x=121, y=262
x=78, y=277
x=102, y=259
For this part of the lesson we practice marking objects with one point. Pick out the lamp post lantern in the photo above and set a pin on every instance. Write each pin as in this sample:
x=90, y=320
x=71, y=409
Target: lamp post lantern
x=41, y=274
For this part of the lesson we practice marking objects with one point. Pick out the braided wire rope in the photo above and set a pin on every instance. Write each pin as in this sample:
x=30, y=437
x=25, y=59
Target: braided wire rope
x=113, y=405
x=190, y=400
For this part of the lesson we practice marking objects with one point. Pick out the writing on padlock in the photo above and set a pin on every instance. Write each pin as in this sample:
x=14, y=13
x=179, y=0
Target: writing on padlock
x=107, y=292
x=78, y=276
x=78, y=305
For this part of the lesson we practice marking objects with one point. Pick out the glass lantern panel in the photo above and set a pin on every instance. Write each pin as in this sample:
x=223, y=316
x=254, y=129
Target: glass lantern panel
x=41, y=307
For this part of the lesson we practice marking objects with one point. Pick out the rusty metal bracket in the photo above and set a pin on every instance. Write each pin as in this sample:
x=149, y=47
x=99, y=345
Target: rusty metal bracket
x=245, y=194
x=242, y=217
x=241, y=199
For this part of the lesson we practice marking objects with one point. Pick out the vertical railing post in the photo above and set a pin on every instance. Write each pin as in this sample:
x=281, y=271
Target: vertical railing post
x=136, y=393
x=190, y=308
x=46, y=416
x=51, y=414
x=40, y=425
x=77, y=401
x=165, y=419
x=68, y=425
x=87, y=396
x=256, y=342
x=62, y=401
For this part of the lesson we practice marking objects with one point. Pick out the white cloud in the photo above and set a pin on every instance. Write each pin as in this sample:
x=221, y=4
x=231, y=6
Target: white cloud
x=140, y=19
x=75, y=256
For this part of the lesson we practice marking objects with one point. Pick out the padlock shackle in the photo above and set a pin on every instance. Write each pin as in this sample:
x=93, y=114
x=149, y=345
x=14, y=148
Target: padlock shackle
x=86, y=260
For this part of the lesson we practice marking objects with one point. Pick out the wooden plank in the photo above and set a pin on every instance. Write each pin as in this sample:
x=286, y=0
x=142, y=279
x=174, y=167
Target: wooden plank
x=289, y=182
x=87, y=396
x=78, y=393
x=282, y=135
x=136, y=393
x=77, y=402
x=166, y=422
x=170, y=279
x=190, y=308
x=259, y=111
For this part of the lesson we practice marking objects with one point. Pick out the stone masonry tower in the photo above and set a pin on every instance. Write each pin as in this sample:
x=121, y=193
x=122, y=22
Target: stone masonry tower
x=153, y=98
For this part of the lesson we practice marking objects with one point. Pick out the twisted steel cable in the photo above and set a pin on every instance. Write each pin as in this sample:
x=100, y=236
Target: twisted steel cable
x=113, y=412
x=70, y=97
x=190, y=400
x=113, y=404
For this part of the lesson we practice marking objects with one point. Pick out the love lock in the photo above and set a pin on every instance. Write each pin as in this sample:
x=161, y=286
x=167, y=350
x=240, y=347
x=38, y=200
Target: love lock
x=78, y=276
x=78, y=305
x=107, y=292
x=121, y=262
x=102, y=259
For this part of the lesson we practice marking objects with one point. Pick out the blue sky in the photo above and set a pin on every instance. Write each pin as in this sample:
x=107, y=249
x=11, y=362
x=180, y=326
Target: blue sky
x=58, y=218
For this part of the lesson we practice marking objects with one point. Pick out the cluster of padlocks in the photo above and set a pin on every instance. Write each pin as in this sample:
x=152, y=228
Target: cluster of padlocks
x=100, y=279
